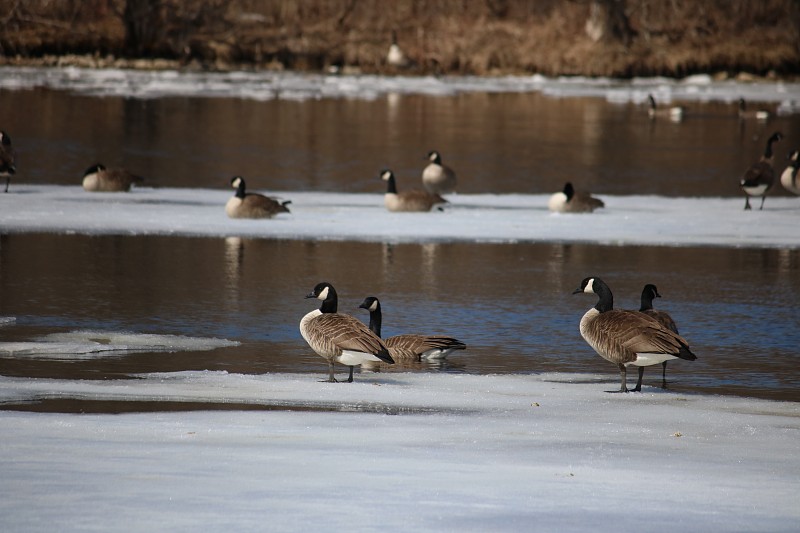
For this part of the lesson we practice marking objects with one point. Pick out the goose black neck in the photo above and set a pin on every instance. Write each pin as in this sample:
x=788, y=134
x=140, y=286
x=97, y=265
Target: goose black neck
x=605, y=300
x=647, y=300
x=331, y=303
x=240, y=191
x=569, y=191
x=391, y=186
x=375, y=319
x=768, y=150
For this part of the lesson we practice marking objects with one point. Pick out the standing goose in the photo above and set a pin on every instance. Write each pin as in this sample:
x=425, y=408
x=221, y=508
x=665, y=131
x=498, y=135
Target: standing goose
x=789, y=176
x=339, y=338
x=673, y=113
x=648, y=293
x=395, y=57
x=98, y=178
x=572, y=201
x=627, y=337
x=758, y=114
x=7, y=165
x=759, y=177
x=436, y=177
x=252, y=205
x=410, y=346
x=413, y=200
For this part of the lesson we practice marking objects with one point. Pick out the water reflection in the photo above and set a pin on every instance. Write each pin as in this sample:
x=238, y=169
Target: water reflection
x=510, y=303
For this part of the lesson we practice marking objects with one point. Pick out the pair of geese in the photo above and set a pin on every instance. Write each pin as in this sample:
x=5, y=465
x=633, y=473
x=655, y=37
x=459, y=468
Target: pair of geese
x=759, y=178
x=341, y=338
x=676, y=113
x=639, y=338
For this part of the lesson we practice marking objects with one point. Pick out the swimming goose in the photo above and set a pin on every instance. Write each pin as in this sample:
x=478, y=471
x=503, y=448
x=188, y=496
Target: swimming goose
x=7, y=165
x=789, y=176
x=649, y=292
x=410, y=346
x=674, y=112
x=98, y=178
x=758, y=114
x=436, y=177
x=339, y=338
x=413, y=200
x=627, y=337
x=759, y=177
x=572, y=201
x=252, y=205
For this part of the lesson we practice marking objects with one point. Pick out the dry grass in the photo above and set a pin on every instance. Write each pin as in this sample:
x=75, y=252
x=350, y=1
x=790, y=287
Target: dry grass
x=670, y=37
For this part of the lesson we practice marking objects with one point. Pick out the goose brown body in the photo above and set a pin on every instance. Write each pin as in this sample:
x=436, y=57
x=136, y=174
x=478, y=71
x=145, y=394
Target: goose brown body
x=759, y=114
x=98, y=178
x=758, y=179
x=438, y=178
x=673, y=112
x=7, y=158
x=410, y=347
x=571, y=201
x=252, y=205
x=339, y=338
x=627, y=337
x=414, y=200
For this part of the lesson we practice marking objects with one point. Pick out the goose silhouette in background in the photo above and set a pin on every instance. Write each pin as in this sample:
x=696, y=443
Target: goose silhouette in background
x=758, y=179
x=413, y=347
x=340, y=338
x=407, y=201
x=245, y=204
x=571, y=201
x=627, y=337
x=675, y=113
x=758, y=114
x=438, y=178
x=7, y=158
x=98, y=178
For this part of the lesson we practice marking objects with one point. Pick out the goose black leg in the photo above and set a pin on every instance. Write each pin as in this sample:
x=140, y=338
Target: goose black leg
x=664, y=375
x=623, y=375
x=350, y=379
x=638, y=387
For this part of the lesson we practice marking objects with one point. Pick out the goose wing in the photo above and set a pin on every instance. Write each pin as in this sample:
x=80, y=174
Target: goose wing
x=633, y=332
x=757, y=174
x=412, y=346
x=259, y=201
x=347, y=333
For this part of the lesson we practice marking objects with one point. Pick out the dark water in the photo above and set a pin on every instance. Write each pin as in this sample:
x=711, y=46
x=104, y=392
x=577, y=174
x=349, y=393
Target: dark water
x=502, y=143
x=510, y=303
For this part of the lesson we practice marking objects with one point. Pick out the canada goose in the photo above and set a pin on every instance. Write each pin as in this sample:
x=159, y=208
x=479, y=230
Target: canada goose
x=98, y=178
x=789, y=176
x=759, y=177
x=572, y=201
x=410, y=346
x=649, y=292
x=395, y=57
x=413, y=200
x=337, y=337
x=758, y=114
x=627, y=337
x=436, y=177
x=7, y=165
x=252, y=205
x=674, y=112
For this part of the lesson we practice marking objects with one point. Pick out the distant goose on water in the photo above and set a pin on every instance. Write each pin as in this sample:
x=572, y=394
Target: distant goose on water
x=410, y=347
x=252, y=205
x=789, y=176
x=673, y=112
x=340, y=338
x=572, y=201
x=758, y=179
x=395, y=57
x=627, y=337
x=649, y=292
x=758, y=114
x=98, y=178
x=411, y=200
x=438, y=178
x=7, y=160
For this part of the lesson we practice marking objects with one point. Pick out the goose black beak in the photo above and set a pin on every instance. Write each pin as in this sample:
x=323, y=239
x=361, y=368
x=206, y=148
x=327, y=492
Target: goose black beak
x=310, y=295
x=577, y=291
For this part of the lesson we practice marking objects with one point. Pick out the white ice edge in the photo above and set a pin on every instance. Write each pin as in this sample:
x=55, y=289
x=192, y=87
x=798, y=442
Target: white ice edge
x=539, y=452
x=626, y=220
